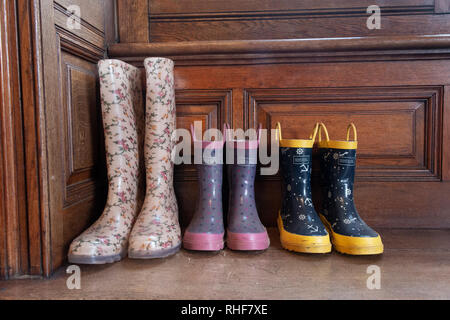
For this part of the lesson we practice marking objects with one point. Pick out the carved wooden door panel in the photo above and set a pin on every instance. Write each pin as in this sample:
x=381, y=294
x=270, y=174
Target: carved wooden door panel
x=74, y=174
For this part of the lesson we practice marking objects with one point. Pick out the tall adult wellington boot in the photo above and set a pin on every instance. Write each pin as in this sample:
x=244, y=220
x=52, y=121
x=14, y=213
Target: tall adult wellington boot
x=349, y=233
x=245, y=230
x=157, y=233
x=205, y=231
x=106, y=240
x=300, y=227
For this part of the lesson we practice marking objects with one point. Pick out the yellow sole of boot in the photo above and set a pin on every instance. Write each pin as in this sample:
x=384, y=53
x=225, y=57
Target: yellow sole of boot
x=354, y=245
x=303, y=244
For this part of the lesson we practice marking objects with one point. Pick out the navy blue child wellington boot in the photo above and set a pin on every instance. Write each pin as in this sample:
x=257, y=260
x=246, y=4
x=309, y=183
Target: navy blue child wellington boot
x=349, y=233
x=301, y=229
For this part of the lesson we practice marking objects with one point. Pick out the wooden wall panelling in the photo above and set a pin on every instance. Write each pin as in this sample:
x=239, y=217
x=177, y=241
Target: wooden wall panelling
x=393, y=88
x=233, y=20
x=399, y=128
x=212, y=108
x=381, y=204
x=73, y=135
x=409, y=114
x=271, y=7
x=375, y=74
x=201, y=30
x=81, y=126
x=110, y=22
x=3, y=233
x=87, y=40
x=442, y=6
x=243, y=52
x=92, y=12
x=13, y=216
x=132, y=20
x=31, y=106
x=446, y=135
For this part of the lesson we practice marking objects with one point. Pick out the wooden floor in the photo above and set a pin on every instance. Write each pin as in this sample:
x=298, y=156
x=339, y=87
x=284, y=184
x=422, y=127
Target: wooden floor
x=415, y=265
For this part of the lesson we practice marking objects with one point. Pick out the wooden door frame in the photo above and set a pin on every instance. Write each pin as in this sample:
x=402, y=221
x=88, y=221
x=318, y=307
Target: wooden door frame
x=24, y=235
x=13, y=225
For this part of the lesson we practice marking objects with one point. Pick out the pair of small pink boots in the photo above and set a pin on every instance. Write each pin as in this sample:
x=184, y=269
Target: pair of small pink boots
x=244, y=229
x=142, y=228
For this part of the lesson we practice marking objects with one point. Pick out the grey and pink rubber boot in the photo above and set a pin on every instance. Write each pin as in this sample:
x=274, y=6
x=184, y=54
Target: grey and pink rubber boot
x=205, y=231
x=244, y=230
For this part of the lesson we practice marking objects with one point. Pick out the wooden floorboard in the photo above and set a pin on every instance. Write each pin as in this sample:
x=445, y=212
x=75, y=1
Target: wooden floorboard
x=415, y=265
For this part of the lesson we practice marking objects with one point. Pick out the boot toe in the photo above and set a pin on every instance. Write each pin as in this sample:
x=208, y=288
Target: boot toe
x=91, y=250
x=149, y=247
x=203, y=241
x=316, y=243
x=365, y=241
x=358, y=245
x=248, y=241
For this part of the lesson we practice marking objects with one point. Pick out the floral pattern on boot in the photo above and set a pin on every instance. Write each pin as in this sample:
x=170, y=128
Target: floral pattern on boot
x=156, y=232
x=122, y=111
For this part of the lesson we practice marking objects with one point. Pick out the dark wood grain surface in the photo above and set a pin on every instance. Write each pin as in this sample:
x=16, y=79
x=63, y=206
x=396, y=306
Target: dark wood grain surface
x=189, y=20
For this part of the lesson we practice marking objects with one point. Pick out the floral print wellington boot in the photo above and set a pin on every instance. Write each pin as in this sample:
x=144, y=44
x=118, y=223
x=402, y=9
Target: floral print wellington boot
x=106, y=240
x=349, y=233
x=157, y=233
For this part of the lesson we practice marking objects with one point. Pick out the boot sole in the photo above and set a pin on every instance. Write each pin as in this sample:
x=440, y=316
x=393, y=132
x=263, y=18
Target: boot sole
x=357, y=246
x=83, y=259
x=247, y=241
x=301, y=243
x=153, y=254
x=203, y=241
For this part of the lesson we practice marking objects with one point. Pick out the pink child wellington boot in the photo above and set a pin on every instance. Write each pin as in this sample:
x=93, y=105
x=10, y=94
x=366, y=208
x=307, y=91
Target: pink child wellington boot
x=156, y=233
x=106, y=240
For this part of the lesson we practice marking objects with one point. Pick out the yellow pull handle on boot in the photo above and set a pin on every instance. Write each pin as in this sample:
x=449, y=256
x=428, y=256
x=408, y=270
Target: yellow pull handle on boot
x=337, y=144
x=278, y=128
x=313, y=135
x=322, y=126
x=297, y=143
x=350, y=126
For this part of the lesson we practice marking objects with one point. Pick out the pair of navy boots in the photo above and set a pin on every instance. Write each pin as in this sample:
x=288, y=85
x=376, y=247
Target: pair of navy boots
x=301, y=228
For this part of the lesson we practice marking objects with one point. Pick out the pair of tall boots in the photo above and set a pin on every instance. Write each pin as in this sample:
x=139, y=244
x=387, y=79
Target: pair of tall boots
x=301, y=228
x=244, y=229
x=130, y=224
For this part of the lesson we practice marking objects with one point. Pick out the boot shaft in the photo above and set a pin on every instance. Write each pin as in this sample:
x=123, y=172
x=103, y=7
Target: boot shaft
x=337, y=166
x=208, y=216
x=122, y=109
x=210, y=178
x=122, y=115
x=160, y=121
x=296, y=166
x=338, y=162
x=242, y=212
x=297, y=214
x=156, y=232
